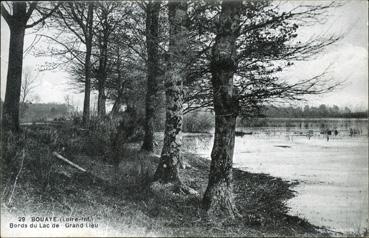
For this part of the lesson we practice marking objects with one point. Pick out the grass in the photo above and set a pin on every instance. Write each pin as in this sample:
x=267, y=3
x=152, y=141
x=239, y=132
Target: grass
x=120, y=200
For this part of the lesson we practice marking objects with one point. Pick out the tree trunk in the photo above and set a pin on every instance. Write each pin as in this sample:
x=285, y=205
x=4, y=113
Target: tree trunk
x=14, y=77
x=86, y=102
x=152, y=25
x=118, y=100
x=218, y=198
x=101, y=79
x=116, y=106
x=167, y=170
x=101, y=102
x=102, y=74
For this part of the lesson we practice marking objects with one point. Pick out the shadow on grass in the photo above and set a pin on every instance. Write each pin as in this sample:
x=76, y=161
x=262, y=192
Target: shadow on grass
x=260, y=200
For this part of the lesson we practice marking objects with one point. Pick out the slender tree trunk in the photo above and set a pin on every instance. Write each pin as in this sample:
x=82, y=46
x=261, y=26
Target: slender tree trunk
x=116, y=106
x=101, y=102
x=101, y=79
x=218, y=198
x=86, y=102
x=14, y=77
x=118, y=101
x=102, y=74
x=167, y=171
x=152, y=25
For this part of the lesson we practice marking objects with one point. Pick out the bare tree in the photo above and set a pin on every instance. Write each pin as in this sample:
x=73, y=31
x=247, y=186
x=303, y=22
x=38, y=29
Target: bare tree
x=127, y=58
x=17, y=16
x=77, y=17
x=29, y=83
x=69, y=103
x=126, y=82
x=111, y=17
x=114, y=24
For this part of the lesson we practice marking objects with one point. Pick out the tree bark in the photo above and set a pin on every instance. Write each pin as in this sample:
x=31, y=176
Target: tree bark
x=152, y=44
x=101, y=79
x=14, y=77
x=89, y=32
x=218, y=198
x=120, y=89
x=101, y=102
x=102, y=71
x=167, y=171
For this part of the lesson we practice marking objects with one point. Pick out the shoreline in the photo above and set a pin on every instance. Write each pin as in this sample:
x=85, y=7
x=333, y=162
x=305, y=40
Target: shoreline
x=120, y=201
x=260, y=199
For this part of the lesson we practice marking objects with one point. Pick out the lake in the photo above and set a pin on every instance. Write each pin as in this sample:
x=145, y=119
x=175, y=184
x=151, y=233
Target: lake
x=333, y=174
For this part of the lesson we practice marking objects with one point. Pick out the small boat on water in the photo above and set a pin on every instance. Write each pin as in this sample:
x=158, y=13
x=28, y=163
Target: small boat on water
x=241, y=133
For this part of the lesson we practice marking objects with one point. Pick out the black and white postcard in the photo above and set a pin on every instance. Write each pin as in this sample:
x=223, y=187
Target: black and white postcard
x=184, y=118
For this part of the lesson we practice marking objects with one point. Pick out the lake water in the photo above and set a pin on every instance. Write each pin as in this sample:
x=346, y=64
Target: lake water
x=333, y=174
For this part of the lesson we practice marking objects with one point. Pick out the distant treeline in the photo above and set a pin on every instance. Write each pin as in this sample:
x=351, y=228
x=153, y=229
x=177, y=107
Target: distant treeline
x=199, y=120
x=323, y=111
x=30, y=112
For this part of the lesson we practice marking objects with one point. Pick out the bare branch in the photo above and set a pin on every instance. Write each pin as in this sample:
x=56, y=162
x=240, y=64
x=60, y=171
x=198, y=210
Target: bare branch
x=31, y=8
x=8, y=18
x=43, y=18
x=71, y=51
x=71, y=28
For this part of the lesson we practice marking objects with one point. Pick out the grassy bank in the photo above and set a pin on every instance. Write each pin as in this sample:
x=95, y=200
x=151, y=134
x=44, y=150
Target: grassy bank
x=119, y=198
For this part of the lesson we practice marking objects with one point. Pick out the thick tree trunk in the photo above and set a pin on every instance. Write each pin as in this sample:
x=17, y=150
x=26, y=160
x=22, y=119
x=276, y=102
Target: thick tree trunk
x=86, y=102
x=14, y=77
x=218, y=198
x=167, y=170
x=152, y=44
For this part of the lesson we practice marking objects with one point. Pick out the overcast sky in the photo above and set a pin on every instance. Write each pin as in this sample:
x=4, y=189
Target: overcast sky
x=348, y=60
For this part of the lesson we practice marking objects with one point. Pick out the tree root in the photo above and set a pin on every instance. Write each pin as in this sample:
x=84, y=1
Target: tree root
x=172, y=190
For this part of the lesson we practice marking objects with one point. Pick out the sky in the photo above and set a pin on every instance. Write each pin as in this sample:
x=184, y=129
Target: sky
x=347, y=61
